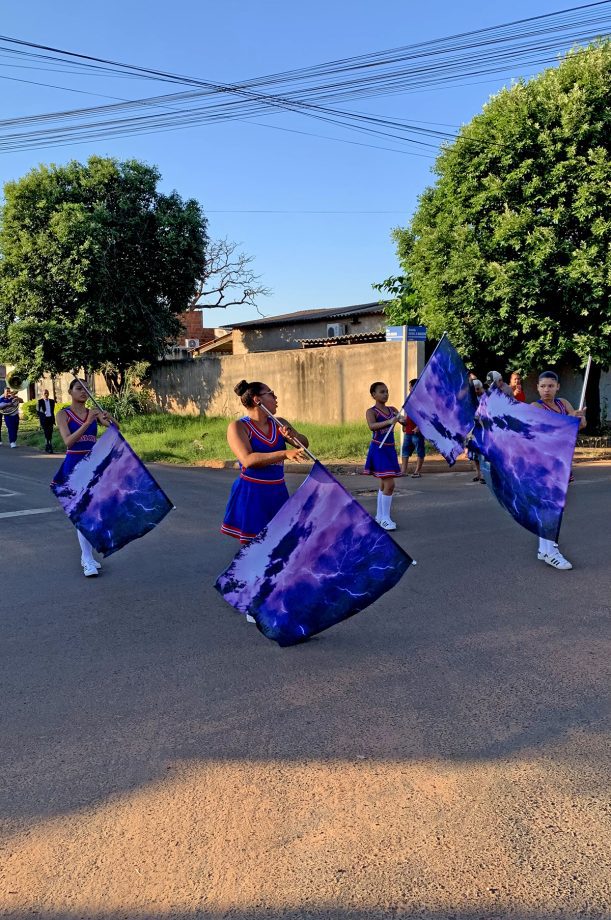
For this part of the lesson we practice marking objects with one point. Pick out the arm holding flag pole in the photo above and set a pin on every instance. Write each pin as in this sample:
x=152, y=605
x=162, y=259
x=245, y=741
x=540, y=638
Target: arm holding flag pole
x=391, y=427
x=105, y=417
x=289, y=433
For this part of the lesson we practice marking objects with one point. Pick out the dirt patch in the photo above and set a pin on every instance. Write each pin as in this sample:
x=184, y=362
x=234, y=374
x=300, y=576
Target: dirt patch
x=248, y=837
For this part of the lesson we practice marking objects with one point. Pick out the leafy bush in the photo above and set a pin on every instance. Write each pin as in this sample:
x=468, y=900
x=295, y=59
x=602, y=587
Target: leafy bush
x=127, y=404
x=28, y=409
x=29, y=413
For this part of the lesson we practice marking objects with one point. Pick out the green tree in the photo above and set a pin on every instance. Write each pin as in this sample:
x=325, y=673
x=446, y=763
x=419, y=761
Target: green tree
x=510, y=250
x=95, y=266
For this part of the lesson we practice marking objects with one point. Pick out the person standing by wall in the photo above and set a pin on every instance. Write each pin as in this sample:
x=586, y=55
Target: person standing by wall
x=9, y=407
x=515, y=382
x=413, y=440
x=46, y=416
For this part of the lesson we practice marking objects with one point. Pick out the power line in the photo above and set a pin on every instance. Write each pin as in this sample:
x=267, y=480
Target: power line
x=310, y=91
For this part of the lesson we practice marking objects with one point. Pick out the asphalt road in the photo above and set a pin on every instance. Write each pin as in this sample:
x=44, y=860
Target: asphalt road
x=444, y=754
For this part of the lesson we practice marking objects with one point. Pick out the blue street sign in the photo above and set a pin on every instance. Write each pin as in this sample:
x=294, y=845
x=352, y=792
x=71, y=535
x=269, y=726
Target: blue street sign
x=414, y=333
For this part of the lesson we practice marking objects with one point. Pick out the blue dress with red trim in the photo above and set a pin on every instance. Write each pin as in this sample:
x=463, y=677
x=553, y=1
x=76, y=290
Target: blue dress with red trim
x=258, y=494
x=80, y=448
x=382, y=462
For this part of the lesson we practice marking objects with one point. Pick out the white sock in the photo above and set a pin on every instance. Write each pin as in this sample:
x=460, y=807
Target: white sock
x=86, y=548
x=386, y=501
x=546, y=546
x=379, y=508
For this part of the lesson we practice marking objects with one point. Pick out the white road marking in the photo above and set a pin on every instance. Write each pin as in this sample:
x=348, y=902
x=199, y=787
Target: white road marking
x=7, y=493
x=10, y=514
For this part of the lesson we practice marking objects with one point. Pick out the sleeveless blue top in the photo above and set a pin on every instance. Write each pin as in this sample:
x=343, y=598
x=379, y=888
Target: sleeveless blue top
x=378, y=436
x=257, y=494
x=562, y=410
x=263, y=444
x=86, y=441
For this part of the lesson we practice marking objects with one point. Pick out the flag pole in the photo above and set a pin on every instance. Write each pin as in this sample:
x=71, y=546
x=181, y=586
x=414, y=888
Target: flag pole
x=585, y=382
x=390, y=428
x=88, y=391
x=295, y=440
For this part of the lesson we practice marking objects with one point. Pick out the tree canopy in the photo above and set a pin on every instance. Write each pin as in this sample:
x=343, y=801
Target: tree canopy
x=510, y=250
x=95, y=266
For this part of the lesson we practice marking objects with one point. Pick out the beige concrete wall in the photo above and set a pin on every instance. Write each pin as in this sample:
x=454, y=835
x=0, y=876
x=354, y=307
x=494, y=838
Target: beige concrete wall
x=58, y=386
x=280, y=338
x=328, y=385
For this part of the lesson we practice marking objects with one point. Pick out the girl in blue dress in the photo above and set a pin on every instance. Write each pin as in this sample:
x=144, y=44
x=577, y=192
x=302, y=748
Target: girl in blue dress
x=382, y=462
x=260, y=446
x=78, y=427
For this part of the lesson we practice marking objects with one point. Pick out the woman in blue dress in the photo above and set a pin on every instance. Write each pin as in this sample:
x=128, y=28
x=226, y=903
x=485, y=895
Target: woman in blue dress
x=78, y=427
x=382, y=462
x=260, y=446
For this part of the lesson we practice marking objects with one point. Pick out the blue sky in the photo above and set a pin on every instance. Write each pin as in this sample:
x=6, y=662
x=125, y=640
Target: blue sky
x=309, y=260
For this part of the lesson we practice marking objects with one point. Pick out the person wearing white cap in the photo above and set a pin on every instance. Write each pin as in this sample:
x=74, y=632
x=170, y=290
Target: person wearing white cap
x=495, y=379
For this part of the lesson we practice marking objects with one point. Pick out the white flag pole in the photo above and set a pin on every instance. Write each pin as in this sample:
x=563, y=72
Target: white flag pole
x=88, y=392
x=390, y=428
x=297, y=442
x=585, y=382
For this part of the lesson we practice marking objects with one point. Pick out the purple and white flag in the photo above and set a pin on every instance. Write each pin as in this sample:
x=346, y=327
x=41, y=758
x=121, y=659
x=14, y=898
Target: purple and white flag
x=320, y=560
x=529, y=451
x=442, y=403
x=110, y=496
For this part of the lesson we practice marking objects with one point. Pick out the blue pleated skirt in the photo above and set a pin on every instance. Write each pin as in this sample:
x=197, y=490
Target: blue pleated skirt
x=251, y=507
x=382, y=462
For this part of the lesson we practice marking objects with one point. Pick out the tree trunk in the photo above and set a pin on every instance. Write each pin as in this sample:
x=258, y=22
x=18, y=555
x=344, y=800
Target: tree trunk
x=593, y=401
x=113, y=379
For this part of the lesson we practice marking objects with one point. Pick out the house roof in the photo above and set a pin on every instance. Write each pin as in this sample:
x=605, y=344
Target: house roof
x=359, y=338
x=304, y=316
x=224, y=343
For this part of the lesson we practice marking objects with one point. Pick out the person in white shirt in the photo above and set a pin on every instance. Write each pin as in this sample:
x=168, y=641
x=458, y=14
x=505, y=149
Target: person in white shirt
x=46, y=416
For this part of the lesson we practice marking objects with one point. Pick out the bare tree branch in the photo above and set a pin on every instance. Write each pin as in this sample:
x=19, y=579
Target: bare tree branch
x=227, y=279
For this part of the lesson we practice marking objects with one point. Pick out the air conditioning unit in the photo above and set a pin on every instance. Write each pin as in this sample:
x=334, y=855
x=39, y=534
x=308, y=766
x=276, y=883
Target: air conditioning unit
x=191, y=343
x=335, y=329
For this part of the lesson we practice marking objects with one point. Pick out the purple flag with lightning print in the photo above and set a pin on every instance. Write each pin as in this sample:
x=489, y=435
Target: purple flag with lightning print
x=442, y=404
x=320, y=560
x=110, y=496
x=529, y=451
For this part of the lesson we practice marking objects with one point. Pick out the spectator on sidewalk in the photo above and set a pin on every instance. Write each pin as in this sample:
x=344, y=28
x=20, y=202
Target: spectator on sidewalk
x=46, y=417
x=472, y=452
x=495, y=379
x=413, y=440
x=515, y=382
x=9, y=407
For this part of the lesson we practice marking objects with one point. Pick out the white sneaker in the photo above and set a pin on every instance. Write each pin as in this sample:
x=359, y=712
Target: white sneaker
x=555, y=559
x=387, y=525
x=250, y=619
x=13, y=444
x=98, y=565
x=90, y=570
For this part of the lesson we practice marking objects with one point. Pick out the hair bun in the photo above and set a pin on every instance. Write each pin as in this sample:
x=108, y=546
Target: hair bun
x=240, y=388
